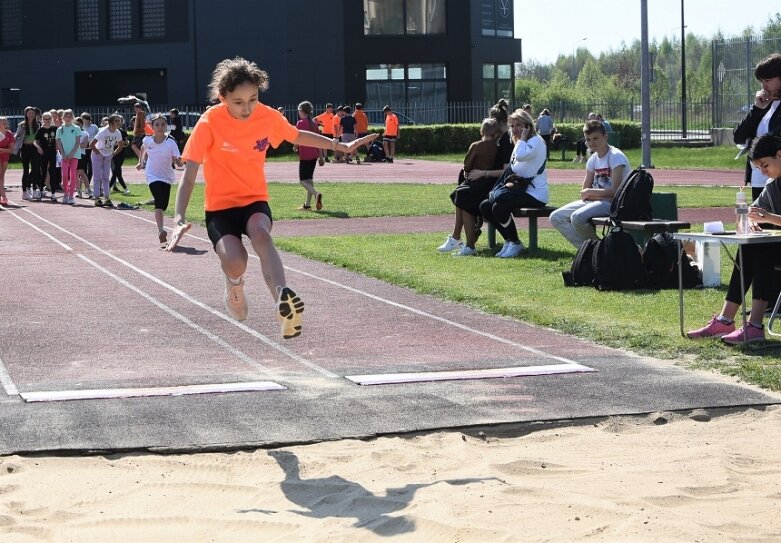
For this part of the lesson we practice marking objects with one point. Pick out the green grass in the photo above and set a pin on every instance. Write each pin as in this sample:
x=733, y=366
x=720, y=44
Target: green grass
x=403, y=200
x=531, y=289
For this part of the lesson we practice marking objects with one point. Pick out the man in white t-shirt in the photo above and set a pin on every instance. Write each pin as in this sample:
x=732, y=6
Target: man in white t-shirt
x=605, y=170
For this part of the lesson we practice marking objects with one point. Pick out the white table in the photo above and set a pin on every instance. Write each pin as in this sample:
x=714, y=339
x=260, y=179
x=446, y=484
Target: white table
x=772, y=236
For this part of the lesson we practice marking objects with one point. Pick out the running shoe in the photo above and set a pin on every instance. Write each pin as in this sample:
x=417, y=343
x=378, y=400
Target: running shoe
x=108, y=203
x=304, y=208
x=501, y=252
x=3, y=201
x=450, y=245
x=235, y=301
x=98, y=202
x=319, y=202
x=290, y=312
x=513, y=250
x=714, y=328
x=753, y=334
x=162, y=236
x=127, y=192
x=465, y=251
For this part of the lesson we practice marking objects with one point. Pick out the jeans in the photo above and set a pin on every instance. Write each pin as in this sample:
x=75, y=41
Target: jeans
x=572, y=219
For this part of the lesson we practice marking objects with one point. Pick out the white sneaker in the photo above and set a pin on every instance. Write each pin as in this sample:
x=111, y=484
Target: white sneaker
x=27, y=195
x=235, y=301
x=36, y=194
x=513, y=250
x=501, y=252
x=127, y=191
x=451, y=244
x=465, y=251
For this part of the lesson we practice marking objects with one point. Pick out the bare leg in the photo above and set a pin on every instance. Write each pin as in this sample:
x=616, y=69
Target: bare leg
x=459, y=225
x=159, y=220
x=468, y=221
x=233, y=256
x=259, y=232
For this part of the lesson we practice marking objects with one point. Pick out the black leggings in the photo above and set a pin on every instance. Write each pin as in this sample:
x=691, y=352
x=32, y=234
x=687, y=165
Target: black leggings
x=48, y=164
x=759, y=263
x=31, y=169
x=499, y=213
x=116, y=171
x=580, y=147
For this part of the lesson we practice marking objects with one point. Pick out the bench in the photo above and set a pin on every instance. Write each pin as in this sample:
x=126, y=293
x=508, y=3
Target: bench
x=531, y=213
x=665, y=210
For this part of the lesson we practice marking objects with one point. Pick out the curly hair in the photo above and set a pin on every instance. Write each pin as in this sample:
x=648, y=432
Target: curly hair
x=230, y=73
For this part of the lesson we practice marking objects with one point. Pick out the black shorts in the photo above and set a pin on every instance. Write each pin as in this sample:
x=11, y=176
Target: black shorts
x=161, y=192
x=138, y=141
x=83, y=161
x=233, y=221
x=306, y=169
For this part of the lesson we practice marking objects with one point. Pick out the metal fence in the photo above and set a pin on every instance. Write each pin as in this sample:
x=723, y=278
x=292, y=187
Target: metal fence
x=734, y=84
x=665, y=115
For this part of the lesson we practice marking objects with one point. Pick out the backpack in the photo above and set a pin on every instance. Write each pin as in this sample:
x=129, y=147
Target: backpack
x=660, y=258
x=375, y=153
x=632, y=200
x=617, y=263
x=581, y=273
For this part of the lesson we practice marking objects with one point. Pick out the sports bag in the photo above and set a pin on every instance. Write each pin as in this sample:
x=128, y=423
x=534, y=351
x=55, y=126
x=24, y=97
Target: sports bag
x=581, y=273
x=632, y=200
x=617, y=263
x=660, y=258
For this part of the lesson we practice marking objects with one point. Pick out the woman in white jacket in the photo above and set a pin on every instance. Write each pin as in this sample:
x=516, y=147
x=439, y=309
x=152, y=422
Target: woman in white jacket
x=524, y=184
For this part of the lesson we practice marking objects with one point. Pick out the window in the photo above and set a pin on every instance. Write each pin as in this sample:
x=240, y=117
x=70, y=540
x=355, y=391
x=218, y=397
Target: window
x=497, y=82
x=11, y=23
x=120, y=25
x=87, y=18
x=402, y=85
x=403, y=17
x=496, y=18
x=152, y=18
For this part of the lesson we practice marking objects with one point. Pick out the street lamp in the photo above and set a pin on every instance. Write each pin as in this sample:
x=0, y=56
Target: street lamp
x=573, y=55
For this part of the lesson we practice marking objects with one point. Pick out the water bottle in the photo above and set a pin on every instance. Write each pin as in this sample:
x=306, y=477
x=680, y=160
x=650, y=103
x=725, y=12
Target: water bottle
x=741, y=213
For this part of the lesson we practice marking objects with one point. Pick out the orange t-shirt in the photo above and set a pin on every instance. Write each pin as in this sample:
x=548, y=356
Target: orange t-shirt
x=326, y=120
x=337, y=129
x=391, y=125
x=233, y=154
x=361, y=122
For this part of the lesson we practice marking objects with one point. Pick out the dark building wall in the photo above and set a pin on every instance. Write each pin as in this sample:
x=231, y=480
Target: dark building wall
x=312, y=50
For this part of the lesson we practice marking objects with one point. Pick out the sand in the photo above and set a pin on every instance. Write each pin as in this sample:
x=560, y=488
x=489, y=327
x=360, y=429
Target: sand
x=663, y=477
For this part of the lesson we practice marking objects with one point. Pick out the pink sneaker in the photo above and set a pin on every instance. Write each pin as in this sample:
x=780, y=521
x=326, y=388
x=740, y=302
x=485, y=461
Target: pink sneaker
x=753, y=334
x=715, y=328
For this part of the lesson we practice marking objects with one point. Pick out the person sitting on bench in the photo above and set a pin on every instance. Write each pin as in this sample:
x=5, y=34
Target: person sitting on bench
x=527, y=187
x=605, y=170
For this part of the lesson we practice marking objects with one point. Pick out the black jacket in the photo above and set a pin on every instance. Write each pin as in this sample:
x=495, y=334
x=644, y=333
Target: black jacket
x=747, y=130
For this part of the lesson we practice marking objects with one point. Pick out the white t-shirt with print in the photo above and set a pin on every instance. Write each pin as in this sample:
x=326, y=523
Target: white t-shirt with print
x=603, y=167
x=158, y=159
x=107, y=141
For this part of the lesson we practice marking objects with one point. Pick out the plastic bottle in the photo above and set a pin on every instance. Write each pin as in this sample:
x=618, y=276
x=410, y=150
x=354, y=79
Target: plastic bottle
x=741, y=214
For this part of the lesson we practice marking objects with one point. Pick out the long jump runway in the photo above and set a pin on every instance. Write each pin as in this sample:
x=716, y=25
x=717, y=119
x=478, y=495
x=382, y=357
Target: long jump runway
x=107, y=343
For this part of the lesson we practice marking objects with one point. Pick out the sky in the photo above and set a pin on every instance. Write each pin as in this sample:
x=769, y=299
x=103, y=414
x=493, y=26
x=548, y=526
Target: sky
x=552, y=28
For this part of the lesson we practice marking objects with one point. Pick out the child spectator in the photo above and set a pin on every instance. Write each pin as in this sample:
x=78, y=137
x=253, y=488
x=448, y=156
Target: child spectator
x=361, y=122
x=6, y=148
x=175, y=129
x=81, y=167
x=118, y=161
x=139, y=123
x=157, y=152
x=24, y=146
x=391, y=134
x=236, y=193
x=480, y=156
x=46, y=145
x=545, y=128
x=605, y=171
x=326, y=122
x=68, y=139
x=347, y=127
x=337, y=130
x=105, y=145
x=759, y=261
x=307, y=158
x=92, y=130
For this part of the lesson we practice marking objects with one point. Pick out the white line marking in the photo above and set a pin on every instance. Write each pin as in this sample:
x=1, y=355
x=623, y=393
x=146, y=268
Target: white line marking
x=184, y=390
x=401, y=306
x=245, y=328
x=7, y=382
x=457, y=375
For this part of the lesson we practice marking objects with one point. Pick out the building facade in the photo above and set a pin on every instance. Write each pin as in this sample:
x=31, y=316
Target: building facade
x=79, y=53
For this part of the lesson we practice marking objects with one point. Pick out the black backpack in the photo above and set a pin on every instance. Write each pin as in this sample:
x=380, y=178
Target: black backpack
x=660, y=258
x=581, y=273
x=632, y=200
x=375, y=153
x=617, y=263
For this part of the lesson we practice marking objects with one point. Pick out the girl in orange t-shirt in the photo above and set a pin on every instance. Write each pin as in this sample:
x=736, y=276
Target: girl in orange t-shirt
x=231, y=140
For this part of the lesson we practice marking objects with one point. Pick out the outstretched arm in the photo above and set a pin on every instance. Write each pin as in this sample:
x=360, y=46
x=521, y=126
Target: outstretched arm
x=310, y=139
x=182, y=200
